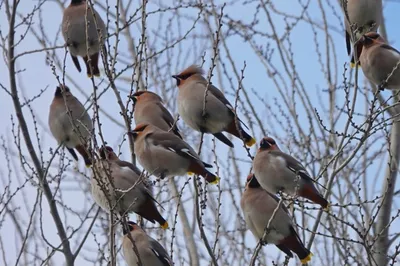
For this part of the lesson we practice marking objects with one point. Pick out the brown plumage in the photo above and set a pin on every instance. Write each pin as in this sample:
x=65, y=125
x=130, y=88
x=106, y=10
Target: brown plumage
x=378, y=60
x=258, y=207
x=149, y=109
x=219, y=115
x=70, y=123
x=163, y=154
x=277, y=171
x=80, y=33
x=128, y=193
x=364, y=15
x=151, y=252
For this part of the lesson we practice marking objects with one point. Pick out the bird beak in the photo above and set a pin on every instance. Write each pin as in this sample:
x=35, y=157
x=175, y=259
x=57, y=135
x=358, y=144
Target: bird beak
x=175, y=77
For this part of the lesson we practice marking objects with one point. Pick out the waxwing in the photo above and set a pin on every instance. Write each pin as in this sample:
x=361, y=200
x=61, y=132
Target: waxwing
x=277, y=171
x=364, y=15
x=149, y=109
x=219, y=115
x=128, y=193
x=70, y=123
x=378, y=60
x=151, y=253
x=76, y=16
x=163, y=154
x=258, y=207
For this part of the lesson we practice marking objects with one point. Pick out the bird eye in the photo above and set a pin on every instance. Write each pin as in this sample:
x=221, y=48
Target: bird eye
x=368, y=41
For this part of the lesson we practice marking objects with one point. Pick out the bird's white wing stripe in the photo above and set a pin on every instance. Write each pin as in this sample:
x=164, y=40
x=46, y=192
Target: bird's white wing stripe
x=185, y=150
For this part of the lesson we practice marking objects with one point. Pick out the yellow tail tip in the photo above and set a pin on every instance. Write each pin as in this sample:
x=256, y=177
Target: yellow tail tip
x=327, y=208
x=190, y=173
x=216, y=181
x=97, y=75
x=250, y=142
x=353, y=65
x=306, y=259
x=88, y=165
x=165, y=225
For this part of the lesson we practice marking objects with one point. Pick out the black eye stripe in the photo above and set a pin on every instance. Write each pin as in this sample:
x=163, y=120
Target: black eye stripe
x=186, y=76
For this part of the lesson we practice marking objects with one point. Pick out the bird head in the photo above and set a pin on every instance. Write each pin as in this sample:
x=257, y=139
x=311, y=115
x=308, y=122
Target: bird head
x=138, y=130
x=370, y=39
x=182, y=77
x=145, y=96
x=60, y=90
x=106, y=152
x=268, y=143
x=131, y=225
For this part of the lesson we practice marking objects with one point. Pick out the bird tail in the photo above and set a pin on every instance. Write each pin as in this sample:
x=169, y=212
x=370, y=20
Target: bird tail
x=223, y=139
x=76, y=62
x=294, y=244
x=94, y=62
x=86, y=156
x=199, y=169
x=211, y=178
x=310, y=192
x=239, y=132
x=73, y=153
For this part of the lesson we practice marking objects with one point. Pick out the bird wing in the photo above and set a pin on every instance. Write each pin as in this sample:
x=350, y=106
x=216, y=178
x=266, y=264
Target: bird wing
x=130, y=165
x=293, y=165
x=174, y=144
x=143, y=186
x=166, y=115
x=390, y=48
x=160, y=252
x=221, y=97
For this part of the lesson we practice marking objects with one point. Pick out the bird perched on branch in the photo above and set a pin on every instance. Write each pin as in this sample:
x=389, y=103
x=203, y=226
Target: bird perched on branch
x=277, y=171
x=378, y=60
x=149, y=109
x=362, y=16
x=84, y=32
x=127, y=192
x=205, y=108
x=260, y=209
x=70, y=123
x=151, y=253
x=163, y=154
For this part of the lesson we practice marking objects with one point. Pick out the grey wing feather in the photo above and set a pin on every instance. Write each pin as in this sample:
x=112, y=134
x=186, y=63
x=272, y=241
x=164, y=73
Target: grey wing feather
x=160, y=252
x=130, y=165
x=220, y=96
x=174, y=143
x=386, y=46
x=78, y=112
x=166, y=115
x=293, y=165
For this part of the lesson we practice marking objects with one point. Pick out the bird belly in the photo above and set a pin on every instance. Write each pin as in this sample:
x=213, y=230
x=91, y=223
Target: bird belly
x=257, y=223
x=162, y=162
x=214, y=121
x=129, y=255
x=98, y=193
x=78, y=42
